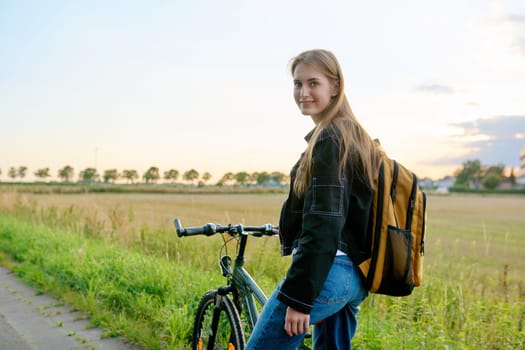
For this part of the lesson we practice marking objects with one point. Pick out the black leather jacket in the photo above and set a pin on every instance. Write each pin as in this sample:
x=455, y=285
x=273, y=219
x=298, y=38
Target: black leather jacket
x=333, y=214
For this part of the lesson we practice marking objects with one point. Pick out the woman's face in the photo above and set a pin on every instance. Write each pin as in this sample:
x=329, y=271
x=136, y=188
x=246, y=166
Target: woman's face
x=313, y=90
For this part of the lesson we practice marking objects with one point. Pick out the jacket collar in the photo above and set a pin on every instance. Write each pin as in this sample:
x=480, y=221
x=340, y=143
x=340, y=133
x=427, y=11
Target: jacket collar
x=308, y=136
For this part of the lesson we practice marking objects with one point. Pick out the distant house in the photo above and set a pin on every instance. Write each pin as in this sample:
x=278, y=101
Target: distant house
x=444, y=185
x=426, y=183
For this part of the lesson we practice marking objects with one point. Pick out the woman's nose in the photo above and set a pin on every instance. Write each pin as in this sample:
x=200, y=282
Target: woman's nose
x=304, y=91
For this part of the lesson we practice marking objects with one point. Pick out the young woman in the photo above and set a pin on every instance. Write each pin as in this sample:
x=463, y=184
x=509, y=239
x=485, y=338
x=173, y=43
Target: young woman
x=325, y=218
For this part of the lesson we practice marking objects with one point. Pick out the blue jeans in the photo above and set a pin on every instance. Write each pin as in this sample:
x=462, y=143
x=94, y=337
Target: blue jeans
x=333, y=315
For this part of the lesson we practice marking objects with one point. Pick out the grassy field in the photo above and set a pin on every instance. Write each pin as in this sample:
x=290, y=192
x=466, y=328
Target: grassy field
x=119, y=259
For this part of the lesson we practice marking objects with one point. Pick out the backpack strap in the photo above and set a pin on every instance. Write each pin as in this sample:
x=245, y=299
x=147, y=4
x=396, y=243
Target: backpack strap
x=412, y=202
x=394, y=182
x=394, y=186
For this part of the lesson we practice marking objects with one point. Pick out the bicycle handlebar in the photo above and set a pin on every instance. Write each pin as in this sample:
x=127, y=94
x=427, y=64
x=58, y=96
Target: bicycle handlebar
x=211, y=229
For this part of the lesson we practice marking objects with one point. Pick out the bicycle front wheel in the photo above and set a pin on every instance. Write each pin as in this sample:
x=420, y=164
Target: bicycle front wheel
x=217, y=324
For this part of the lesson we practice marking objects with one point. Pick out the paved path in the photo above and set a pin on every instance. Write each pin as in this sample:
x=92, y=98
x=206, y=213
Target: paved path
x=37, y=322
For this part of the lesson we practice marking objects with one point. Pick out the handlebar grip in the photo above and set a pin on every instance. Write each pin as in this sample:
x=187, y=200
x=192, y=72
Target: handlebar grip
x=208, y=229
x=178, y=227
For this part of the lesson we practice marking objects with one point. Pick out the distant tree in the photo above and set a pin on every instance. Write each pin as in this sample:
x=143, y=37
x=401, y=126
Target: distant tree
x=491, y=181
x=242, y=178
x=190, y=175
x=66, y=173
x=206, y=177
x=171, y=175
x=279, y=177
x=494, y=169
x=42, y=173
x=130, y=174
x=22, y=172
x=228, y=177
x=253, y=177
x=262, y=178
x=152, y=174
x=13, y=173
x=110, y=175
x=492, y=176
x=471, y=173
x=512, y=177
x=88, y=175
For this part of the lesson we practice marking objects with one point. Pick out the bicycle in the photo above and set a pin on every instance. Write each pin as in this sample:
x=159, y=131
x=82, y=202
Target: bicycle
x=217, y=324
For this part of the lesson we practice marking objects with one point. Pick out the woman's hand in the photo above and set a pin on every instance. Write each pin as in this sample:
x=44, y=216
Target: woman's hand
x=296, y=322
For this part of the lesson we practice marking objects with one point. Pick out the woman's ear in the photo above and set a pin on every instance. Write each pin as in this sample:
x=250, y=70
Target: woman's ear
x=335, y=88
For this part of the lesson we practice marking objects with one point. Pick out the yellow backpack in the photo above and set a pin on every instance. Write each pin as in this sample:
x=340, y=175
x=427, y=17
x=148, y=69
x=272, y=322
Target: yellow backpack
x=397, y=232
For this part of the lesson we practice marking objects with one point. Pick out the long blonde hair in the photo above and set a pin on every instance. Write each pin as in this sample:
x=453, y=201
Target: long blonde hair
x=356, y=142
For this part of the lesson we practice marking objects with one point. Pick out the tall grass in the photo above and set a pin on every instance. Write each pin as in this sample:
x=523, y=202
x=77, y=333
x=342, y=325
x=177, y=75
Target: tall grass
x=119, y=259
x=145, y=298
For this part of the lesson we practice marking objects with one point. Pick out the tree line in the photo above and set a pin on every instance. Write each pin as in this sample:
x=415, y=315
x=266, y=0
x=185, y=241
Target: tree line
x=152, y=175
x=475, y=175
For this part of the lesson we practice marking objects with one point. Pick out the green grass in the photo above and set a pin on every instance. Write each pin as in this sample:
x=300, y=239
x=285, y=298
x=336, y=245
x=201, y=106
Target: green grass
x=117, y=258
x=147, y=299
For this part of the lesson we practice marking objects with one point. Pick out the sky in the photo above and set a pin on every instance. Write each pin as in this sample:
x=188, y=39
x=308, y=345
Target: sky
x=205, y=84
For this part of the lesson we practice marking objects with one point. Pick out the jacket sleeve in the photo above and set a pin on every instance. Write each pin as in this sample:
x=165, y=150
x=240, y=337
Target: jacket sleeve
x=324, y=214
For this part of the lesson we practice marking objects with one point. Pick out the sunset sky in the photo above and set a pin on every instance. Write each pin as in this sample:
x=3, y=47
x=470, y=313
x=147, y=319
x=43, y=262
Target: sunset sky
x=205, y=84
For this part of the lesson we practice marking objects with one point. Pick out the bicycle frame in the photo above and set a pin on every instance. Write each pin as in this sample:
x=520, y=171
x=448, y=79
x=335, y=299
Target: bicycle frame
x=246, y=285
x=240, y=284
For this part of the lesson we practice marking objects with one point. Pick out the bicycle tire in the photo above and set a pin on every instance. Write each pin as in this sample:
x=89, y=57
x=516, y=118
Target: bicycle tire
x=229, y=334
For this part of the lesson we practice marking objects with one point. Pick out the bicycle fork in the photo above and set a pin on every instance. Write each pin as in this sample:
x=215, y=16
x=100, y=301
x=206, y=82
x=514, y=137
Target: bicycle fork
x=221, y=293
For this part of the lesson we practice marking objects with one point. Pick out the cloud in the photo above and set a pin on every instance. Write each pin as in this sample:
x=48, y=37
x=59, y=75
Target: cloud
x=435, y=89
x=518, y=19
x=493, y=141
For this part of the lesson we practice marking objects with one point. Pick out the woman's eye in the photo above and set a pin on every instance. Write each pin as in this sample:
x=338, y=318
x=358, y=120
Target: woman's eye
x=313, y=84
x=297, y=84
